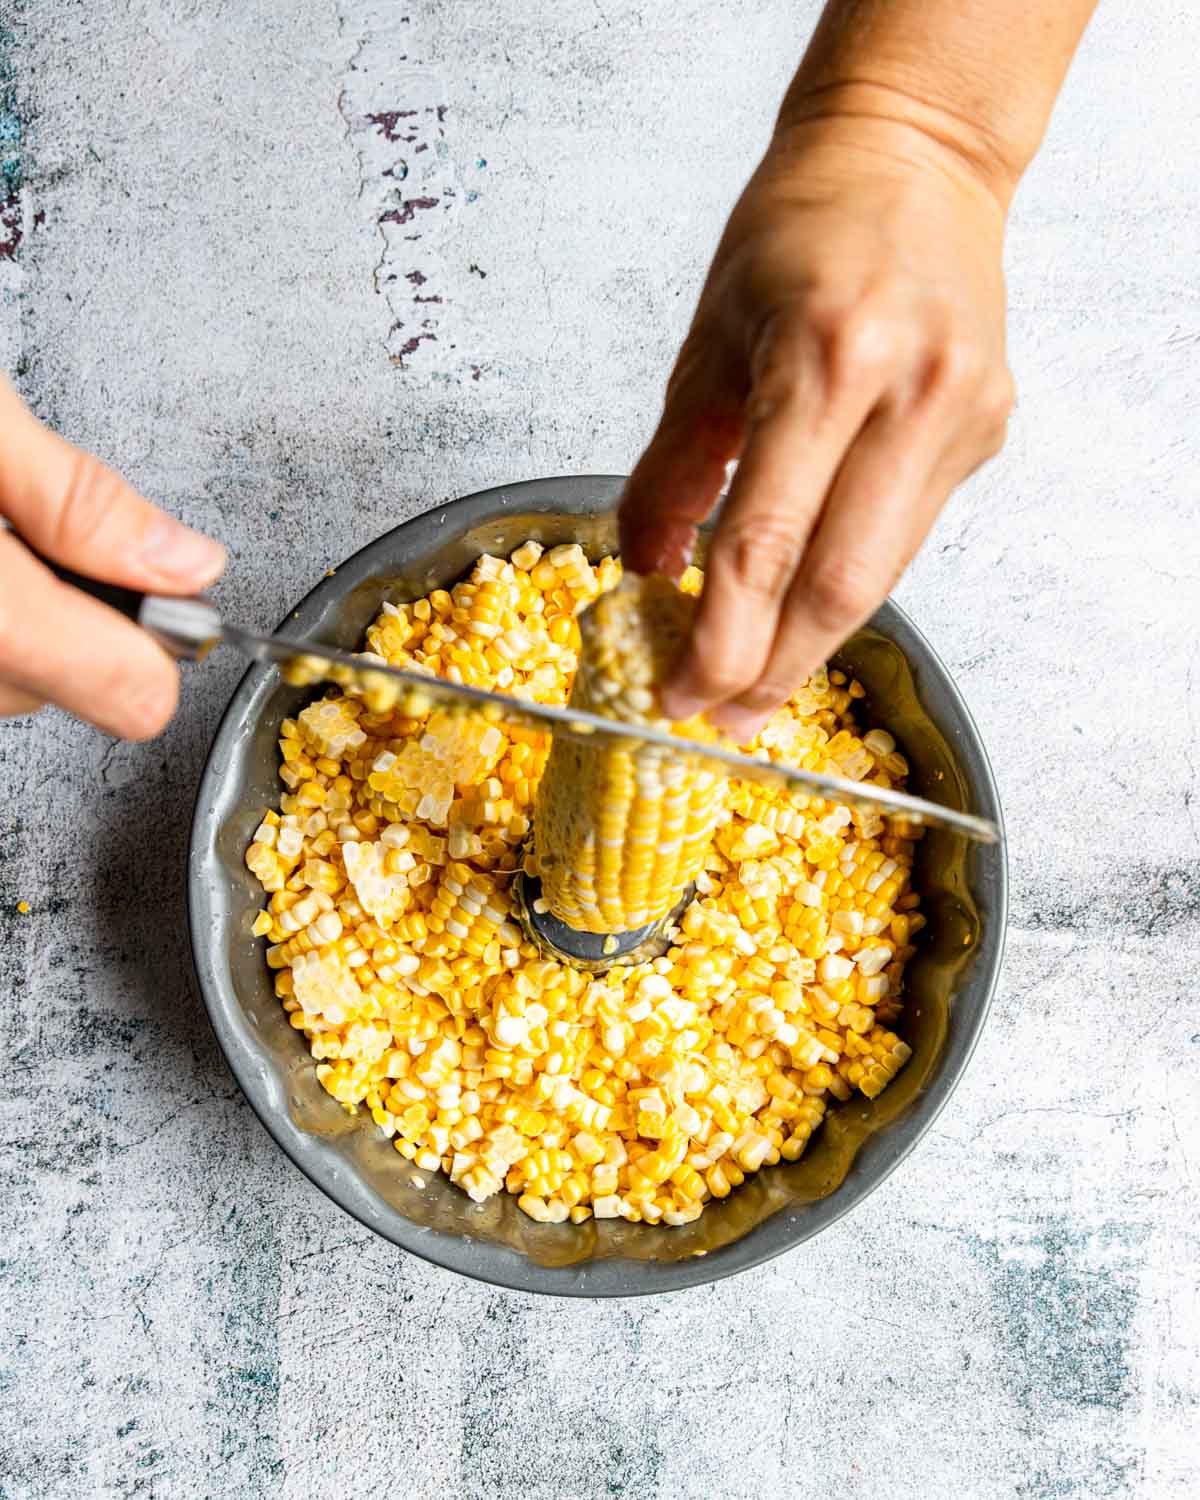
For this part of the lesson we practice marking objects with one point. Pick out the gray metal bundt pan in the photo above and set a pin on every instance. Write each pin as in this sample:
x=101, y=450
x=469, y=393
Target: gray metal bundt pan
x=950, y=984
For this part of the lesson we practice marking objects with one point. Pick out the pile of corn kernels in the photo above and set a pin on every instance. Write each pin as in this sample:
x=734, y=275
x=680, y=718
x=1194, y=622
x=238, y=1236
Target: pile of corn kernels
x=641, y=1093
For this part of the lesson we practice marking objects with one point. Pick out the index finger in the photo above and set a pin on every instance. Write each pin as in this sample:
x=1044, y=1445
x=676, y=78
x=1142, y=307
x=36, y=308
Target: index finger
x=800, y=425
x=58, y=644
x=676, y=481
x=75, y=509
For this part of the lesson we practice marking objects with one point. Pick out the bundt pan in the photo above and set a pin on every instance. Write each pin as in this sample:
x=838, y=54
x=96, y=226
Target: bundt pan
x=949, y=985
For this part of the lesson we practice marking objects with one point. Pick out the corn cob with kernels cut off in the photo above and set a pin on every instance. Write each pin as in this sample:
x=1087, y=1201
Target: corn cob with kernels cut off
x=620, y=830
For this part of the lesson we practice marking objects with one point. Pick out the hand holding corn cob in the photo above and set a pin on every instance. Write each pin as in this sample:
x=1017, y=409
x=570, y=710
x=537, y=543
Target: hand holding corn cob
x=849, y=344
x=56, y=644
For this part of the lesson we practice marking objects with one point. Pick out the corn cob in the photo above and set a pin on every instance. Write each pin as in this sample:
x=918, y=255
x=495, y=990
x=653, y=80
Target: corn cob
x=621, y=830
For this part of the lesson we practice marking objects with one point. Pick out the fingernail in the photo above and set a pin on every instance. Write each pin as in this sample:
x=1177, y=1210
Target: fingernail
x=667, y=549
x=178, y=552
x=740, y=724
x=679, y=704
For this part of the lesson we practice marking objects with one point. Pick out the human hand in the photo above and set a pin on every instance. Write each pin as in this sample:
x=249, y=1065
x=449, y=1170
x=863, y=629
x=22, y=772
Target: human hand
x=57, y=644
x=849, y=349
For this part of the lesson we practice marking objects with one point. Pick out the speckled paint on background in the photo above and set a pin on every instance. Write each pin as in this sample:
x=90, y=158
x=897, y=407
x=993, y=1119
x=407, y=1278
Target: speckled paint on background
x=12, y=229
x=1015, y=1312
x=393, y=101
x=10, y=154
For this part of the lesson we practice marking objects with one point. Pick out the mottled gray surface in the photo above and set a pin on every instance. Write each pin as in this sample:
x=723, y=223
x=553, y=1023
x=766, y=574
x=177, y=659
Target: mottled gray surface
x=204, y=293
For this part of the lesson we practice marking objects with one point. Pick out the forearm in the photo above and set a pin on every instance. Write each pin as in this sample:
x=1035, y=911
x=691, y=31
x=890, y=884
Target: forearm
x=977, y=76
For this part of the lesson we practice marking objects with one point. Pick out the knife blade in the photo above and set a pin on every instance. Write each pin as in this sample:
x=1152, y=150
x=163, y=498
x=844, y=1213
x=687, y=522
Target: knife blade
x=191, y=626
x=585, y=727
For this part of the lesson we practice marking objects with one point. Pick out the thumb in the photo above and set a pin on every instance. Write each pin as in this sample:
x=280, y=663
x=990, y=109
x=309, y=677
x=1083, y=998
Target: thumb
x=679, y=477
x=76, y=510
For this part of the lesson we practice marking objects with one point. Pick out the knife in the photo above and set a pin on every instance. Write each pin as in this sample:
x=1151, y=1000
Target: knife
x=190, y=626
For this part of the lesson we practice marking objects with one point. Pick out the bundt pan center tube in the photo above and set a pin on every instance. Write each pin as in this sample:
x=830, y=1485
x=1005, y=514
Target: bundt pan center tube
x=949, y=984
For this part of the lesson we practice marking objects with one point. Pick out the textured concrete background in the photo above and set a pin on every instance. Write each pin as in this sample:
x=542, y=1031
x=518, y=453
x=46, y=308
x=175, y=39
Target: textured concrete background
x=196, y=282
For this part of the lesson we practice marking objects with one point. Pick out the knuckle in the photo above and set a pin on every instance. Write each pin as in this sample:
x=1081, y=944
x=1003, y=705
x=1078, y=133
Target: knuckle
x=959, y=369
x=91, y=491
x=992, y=442
x=759, y=556
x=997, y=401
x=719, y=683
x=689, y=363
x=715, y=671
x=775, y=377
x=960, y=364
x=765, y=696
x=864, y=344
x=785, y=364
x=841, y=590
x=994, y=408
x=827, y=309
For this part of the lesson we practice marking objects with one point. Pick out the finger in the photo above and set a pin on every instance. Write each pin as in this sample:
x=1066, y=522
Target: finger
x=73, y=508
x=15, y=701
x=801, y=420
x=60, y=645
x=886, y=496
x=679, y=477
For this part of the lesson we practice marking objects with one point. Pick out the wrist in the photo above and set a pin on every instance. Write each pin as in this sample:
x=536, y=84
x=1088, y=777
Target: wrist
x=888, y=121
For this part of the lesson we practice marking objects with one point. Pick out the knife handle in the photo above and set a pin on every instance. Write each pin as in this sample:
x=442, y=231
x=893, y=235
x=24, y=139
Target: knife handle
x=127, y=602
x=186, y=625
